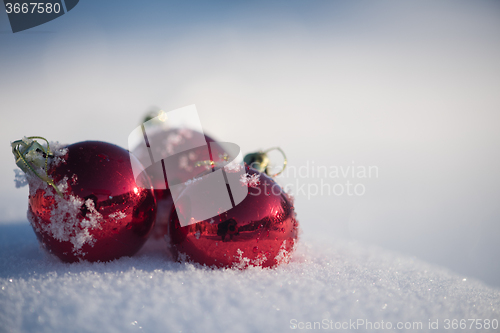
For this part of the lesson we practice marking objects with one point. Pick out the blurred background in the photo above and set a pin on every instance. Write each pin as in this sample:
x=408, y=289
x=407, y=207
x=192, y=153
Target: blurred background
x=410, y=88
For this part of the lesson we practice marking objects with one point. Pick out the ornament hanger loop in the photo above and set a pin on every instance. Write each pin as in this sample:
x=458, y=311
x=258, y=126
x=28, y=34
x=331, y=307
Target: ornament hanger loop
x=21, y=149
x=285, y=161
x=260, y=161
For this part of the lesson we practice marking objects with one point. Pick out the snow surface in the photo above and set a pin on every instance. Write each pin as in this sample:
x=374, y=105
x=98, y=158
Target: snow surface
x=149, y=292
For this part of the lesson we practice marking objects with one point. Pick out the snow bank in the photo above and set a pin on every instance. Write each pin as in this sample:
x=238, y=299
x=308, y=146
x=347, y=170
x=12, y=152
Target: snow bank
x=333, y=284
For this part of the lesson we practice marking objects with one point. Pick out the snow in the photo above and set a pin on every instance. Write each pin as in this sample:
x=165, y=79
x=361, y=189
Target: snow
x=250, y=180
x=334, y=283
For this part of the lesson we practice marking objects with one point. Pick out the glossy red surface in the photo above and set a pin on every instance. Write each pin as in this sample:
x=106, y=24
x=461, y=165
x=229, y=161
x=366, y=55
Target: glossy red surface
x=261, y=231
x=125, y=213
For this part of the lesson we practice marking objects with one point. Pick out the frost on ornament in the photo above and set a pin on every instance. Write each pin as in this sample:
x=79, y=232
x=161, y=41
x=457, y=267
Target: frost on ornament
x=232, y=166
x=65, y=224
x=118, y=215
x=250, y=180
x=284, y=255
x=245, y=262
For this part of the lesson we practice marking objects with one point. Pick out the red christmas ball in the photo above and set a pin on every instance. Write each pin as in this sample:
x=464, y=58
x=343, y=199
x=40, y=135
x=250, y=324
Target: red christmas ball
x=100, y=213
x=189, y=162
x=260, y=231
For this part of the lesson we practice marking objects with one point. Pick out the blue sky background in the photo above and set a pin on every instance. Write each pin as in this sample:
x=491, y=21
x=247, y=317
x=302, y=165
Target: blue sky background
x=411, y=87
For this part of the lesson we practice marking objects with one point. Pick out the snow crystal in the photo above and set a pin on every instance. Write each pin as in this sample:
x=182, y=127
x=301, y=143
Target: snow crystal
x=191, y=181
x=183, y=257
x=250, y=180
x=232, y=166
x=20, y=178
x=118, y=215
x=58, y=150
x=283, y=256
x=243, y=262
x=261, y=258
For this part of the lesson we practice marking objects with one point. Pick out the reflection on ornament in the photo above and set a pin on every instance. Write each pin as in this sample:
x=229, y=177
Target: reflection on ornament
x=260, y=231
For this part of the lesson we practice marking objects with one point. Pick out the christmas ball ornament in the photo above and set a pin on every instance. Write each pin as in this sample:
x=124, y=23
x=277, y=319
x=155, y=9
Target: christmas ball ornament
x=261, y=230
x=178, y=143
x=84, y=203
